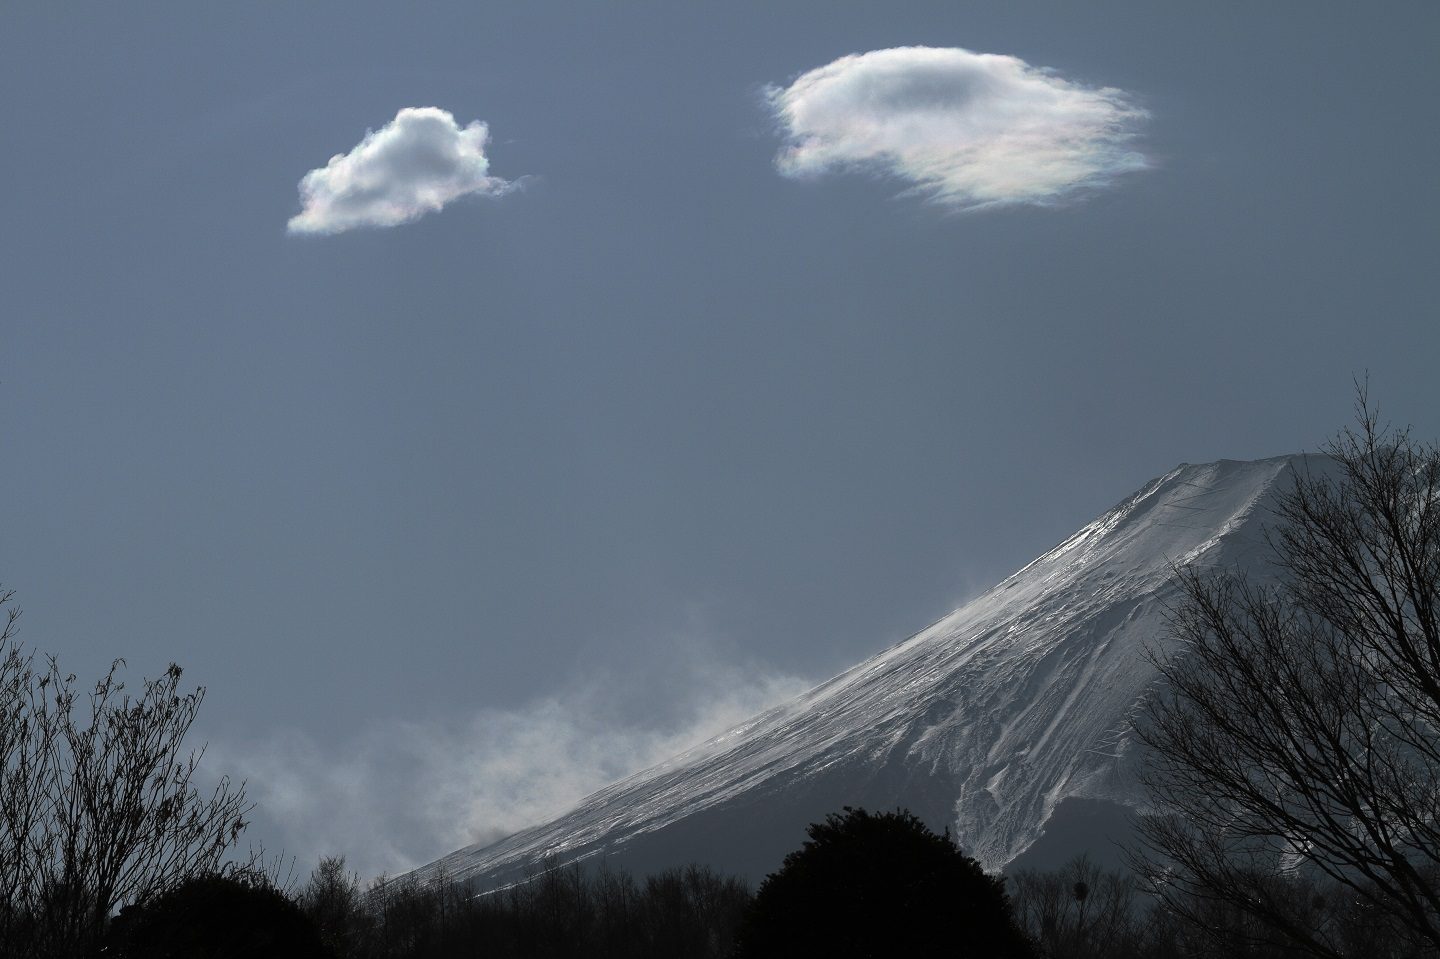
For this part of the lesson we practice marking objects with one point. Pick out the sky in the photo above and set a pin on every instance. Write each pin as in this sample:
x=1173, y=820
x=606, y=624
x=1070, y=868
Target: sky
x=484, y=400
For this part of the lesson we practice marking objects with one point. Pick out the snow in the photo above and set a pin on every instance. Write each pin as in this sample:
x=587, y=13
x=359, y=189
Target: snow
x=984, y=722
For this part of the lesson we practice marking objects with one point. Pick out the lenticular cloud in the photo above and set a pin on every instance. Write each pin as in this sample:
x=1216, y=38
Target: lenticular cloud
x=966, y=129
x=412, y=166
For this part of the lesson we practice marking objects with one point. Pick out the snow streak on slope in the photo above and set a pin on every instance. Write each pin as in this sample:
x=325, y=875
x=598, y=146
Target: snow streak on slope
x=984, y=722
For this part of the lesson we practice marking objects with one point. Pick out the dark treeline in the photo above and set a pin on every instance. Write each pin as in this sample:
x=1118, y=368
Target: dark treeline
x=561, y=913
x=1078, y=912
x=1084, y=912
x=863, y=885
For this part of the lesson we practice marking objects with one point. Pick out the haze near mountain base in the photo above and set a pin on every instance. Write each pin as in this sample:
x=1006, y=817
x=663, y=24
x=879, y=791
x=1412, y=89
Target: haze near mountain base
x=1007, y=721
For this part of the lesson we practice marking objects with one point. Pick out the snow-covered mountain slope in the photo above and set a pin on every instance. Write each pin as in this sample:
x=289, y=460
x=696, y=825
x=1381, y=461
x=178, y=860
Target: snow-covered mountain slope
x=1006, y=721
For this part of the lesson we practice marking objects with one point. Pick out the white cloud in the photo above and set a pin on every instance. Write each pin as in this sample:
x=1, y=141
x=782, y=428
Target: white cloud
x=966, y=129
x=412, y=166
x=401, y=794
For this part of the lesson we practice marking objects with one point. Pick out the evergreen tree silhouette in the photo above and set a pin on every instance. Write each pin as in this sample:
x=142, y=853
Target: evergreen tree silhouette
x=880, y=885
x=216, y=917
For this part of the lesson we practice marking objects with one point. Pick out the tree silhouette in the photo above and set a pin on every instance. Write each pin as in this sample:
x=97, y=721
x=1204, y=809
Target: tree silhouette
x=100, y=801
x=216, y=917
x=876, y=885
x=1299, y=729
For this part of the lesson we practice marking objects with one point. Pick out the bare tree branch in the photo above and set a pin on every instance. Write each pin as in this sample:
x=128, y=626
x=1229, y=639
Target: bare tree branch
x=1298, y=729
x=99, y=804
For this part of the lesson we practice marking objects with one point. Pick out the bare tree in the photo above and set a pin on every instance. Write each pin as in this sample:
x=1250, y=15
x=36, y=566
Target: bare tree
x=333, y=901
x=1079, y=912
x=99, y=800
x=1298, y=729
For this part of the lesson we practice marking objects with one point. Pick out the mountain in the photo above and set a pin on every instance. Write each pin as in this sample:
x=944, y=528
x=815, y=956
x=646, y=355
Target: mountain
x=1007, y=720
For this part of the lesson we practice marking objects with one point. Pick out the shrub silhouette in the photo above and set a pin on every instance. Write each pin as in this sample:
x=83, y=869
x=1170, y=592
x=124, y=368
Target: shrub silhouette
x=879, y=885
x=216, y=917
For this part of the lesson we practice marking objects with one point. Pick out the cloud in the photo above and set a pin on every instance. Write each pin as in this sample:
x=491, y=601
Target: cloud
x=401, y=794
x=968, y=130
x=414, y=165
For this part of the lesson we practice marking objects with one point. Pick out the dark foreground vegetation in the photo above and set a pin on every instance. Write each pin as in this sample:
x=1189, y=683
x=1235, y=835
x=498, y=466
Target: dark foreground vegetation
x=904, y=909
x=880, y=884
x=864, y=885
x=561, y=912
x=1083, y=912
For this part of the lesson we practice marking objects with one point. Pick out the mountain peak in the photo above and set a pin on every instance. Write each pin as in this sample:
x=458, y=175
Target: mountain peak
x=1004, y=721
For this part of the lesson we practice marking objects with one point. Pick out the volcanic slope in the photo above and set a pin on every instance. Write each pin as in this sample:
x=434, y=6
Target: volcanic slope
x=1006, y=721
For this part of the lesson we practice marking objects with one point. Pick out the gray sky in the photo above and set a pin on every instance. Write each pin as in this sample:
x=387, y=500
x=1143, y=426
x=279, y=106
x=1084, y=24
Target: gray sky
x=647, y=430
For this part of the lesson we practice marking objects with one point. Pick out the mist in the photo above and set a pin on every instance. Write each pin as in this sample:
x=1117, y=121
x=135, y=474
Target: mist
x=399, y=794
